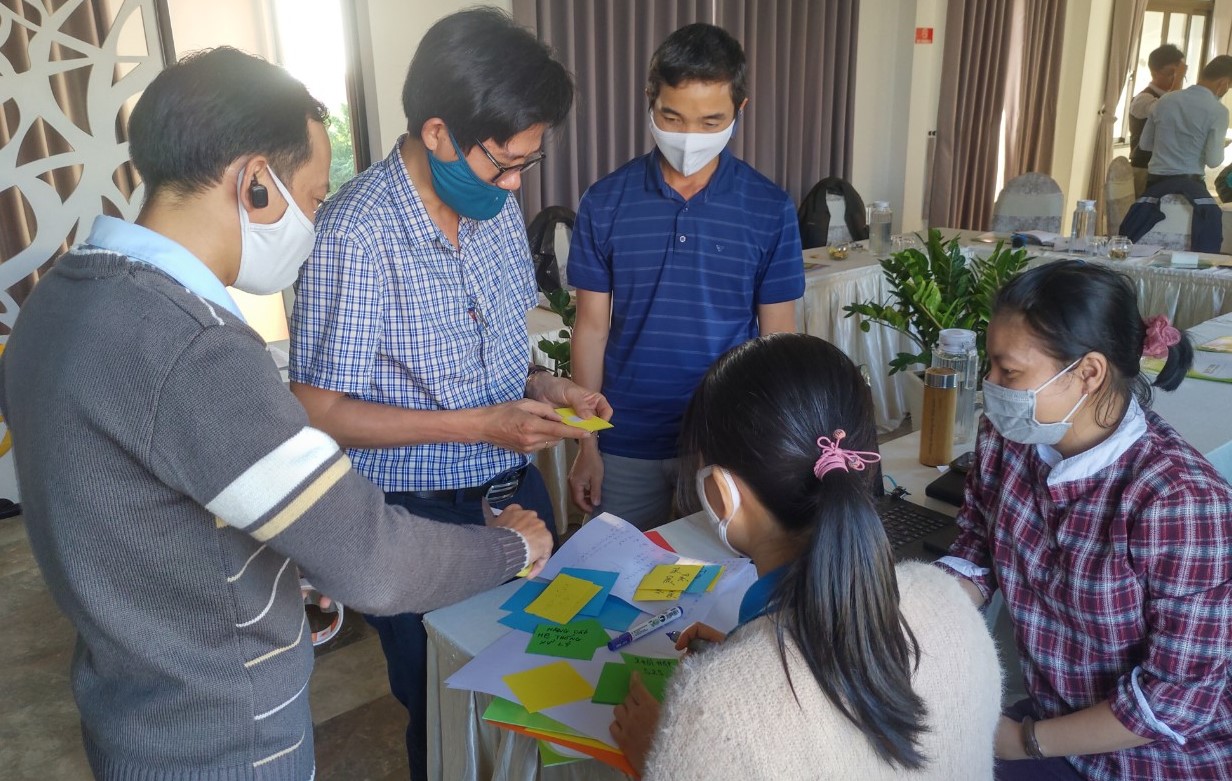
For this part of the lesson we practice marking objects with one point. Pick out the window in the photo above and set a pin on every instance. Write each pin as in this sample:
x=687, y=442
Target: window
x=315, y=43
x=1186, y=23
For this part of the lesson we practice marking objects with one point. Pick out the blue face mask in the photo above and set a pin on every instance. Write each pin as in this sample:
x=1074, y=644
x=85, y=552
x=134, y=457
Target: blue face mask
x=468, y=195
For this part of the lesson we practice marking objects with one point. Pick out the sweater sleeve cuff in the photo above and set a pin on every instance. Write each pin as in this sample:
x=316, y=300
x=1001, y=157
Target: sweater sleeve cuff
x=516, y=549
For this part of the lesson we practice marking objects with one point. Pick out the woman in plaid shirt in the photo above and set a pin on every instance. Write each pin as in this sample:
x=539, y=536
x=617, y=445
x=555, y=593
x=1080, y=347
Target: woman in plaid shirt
x=1108, y=535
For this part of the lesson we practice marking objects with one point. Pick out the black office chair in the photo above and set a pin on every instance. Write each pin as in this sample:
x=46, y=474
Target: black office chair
x=542, y=235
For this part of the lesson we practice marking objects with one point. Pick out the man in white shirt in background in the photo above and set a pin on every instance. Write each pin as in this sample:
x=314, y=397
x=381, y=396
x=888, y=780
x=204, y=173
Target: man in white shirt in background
x=1186, y=132
x=1168, y=68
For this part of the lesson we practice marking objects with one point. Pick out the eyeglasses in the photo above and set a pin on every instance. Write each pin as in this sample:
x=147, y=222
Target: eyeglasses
x=504, y=170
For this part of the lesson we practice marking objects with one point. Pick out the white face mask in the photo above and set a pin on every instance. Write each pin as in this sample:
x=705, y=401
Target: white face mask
x=720, y=524
x=1012, y=413
x=270, y=255
x=689, y=153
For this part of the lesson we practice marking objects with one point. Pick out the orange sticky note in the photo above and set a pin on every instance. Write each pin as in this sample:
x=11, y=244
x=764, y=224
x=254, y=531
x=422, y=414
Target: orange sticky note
x=548, y=686
x=563, y=598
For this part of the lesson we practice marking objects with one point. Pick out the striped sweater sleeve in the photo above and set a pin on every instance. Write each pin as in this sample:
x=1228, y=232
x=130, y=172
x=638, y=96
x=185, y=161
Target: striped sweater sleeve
x=226, y=432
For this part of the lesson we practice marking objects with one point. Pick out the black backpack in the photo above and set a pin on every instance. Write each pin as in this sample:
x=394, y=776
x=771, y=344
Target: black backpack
x=542, y=236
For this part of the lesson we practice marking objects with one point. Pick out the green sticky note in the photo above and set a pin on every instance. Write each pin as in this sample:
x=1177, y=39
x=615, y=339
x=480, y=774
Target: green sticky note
x=654, y=671
x=552, y=758
x=613, y=685
x=577, y=639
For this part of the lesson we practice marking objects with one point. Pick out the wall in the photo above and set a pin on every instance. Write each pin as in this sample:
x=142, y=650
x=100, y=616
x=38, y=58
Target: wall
x=389, y=32
x=885, y=54
x=1084, y=61
x=244, y=24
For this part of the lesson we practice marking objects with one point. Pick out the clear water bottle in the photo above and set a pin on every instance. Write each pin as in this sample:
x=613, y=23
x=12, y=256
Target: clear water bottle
x=956, y=350
x=1084, y=227
x=879, y=218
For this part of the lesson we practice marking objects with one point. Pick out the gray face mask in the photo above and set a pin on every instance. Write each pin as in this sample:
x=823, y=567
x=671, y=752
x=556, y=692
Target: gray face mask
x=1012, y=413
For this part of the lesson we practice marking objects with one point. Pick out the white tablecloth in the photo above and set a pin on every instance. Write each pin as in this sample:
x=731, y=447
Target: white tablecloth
x=463, y=747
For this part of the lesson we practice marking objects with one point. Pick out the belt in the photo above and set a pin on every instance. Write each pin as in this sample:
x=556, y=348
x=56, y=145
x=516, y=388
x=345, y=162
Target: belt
x=498, y=489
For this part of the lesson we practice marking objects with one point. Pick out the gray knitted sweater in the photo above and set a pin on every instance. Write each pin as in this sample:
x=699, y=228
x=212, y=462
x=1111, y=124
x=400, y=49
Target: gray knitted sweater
x=171, y=486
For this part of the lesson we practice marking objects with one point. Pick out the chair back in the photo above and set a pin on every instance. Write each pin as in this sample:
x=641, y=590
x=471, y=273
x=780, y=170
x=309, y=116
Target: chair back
x=1031, y=201
x=1175, y=230
x=1118, y=192
x=823, y=214
x=549, y=235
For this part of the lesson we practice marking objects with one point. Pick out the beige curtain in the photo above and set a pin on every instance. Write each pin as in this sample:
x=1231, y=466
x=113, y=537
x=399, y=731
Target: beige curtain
x=89, y=22
x=801, y=56
x=969, y=113
x=1031, y=94
x=1122, y=48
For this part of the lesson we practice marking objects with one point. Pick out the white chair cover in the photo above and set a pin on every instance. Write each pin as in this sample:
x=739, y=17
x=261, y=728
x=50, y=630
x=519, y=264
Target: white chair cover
x=1176, y=228
x=838, y=233
x=1029, y=202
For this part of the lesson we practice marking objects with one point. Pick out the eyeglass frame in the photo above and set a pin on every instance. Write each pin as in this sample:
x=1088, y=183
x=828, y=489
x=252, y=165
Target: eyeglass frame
x=503, y=170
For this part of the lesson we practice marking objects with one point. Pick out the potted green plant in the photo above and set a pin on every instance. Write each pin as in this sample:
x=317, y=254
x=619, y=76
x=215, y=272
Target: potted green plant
x=936, y=288
x=558, y=350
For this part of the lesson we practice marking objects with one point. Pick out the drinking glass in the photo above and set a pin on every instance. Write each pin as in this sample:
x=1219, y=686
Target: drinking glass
x=1118, y=247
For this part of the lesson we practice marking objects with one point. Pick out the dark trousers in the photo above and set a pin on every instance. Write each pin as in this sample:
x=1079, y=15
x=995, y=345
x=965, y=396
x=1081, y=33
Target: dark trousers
x=1051, y=769
x=403, y=638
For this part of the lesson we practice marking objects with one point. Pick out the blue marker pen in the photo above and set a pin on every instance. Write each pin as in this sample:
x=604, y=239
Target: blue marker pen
x=645, y=628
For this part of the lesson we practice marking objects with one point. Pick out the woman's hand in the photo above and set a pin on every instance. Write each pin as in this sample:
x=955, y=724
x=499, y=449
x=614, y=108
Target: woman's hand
x=1008, y=741
x=698, y=632
x=636, y=720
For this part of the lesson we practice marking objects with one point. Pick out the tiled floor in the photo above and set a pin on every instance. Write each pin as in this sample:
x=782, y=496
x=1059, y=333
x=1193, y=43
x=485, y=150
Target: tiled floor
x=360, y=728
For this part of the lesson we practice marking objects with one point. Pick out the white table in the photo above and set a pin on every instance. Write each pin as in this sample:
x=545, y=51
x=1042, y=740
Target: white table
x=461, y=745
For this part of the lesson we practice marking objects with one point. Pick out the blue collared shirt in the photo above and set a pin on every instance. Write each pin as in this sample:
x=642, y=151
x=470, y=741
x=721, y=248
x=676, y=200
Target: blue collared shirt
x=757, y=599
x=388, y=311
x=686, y=279
x=142, y=245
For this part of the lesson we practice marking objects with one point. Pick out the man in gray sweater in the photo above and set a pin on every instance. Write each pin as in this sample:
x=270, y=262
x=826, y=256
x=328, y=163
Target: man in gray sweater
x=172, y=486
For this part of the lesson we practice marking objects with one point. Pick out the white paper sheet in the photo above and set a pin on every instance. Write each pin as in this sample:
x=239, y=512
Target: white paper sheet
x=609, y=543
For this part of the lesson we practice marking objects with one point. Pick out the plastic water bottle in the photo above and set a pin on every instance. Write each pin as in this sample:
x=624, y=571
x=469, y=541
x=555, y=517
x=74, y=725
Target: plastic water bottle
x=879, y=218
x=1084, y=227
x=956, y=350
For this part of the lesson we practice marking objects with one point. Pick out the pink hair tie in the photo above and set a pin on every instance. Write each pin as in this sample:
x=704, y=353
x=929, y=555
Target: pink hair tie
x=1160, y=335
x=835, y=457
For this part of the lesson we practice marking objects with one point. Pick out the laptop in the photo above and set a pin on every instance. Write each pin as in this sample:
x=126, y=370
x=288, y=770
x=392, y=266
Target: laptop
x=915, y=531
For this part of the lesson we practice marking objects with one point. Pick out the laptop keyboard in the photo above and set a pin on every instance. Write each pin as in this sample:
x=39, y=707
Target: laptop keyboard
x=906, y=523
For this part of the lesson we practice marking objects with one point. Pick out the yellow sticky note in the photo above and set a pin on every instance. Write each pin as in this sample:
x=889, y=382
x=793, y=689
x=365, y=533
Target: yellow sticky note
x=670, y=577
x=570, y=418
x=548, y=686
x=526, y=571
x=655, y=595
x=563, y=598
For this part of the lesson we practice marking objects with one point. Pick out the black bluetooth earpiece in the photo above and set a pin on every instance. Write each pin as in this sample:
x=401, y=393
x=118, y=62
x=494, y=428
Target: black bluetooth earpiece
x=258, y=194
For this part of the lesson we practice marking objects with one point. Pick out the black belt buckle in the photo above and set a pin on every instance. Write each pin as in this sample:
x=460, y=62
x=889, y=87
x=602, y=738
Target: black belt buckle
x=503, y=487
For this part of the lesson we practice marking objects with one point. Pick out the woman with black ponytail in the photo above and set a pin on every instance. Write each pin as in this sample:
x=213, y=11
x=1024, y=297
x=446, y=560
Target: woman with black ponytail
x=843, y=665
x=1109, y=537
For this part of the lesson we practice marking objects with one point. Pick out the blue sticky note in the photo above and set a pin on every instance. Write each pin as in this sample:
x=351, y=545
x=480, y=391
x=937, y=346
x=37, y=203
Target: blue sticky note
x=704, y=578
x=518, y=618
x=604, y=580
x=618, y=615
x=529, y=592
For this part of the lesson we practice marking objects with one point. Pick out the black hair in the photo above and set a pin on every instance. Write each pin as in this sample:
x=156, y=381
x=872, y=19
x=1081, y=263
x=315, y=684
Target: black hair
x=212, y=108
x=1075, y=308
x=1168, y=54
x=485, y=77
x=699, y=52
x=1218, y=68
x=758, y=413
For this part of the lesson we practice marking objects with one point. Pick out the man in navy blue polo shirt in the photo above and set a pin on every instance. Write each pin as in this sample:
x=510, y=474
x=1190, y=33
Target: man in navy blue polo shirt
x=677, y=256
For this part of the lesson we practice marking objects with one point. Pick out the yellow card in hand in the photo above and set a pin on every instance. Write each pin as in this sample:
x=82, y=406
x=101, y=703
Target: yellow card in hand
x=548, y=686
x=563, y=598
x=570, y=418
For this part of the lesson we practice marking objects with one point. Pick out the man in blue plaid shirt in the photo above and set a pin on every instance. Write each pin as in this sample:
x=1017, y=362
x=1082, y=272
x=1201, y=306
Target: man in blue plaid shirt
x=410, y=343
